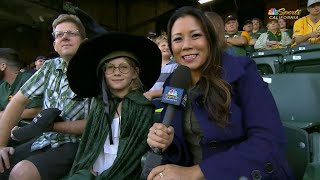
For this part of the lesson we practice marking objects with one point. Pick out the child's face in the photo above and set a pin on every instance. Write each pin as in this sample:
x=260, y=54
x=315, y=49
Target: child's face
x=119, y=75
x=163, y=46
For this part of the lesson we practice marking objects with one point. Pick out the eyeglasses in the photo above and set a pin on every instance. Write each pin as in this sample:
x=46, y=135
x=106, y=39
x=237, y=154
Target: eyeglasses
x=124, y=68
x=69, y=33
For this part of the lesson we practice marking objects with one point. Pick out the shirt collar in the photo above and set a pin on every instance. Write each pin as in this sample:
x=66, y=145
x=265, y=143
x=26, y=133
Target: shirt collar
x=171, y=61
x=62, y=65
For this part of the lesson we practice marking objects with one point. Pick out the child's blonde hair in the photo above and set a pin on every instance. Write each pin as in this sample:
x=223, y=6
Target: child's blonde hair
x=162, y=38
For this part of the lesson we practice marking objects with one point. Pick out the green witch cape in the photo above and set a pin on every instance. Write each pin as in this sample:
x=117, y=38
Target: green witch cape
x=136, y=119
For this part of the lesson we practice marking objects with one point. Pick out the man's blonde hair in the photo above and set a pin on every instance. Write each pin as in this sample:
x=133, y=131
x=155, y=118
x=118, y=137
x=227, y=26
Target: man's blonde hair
x=70, y=18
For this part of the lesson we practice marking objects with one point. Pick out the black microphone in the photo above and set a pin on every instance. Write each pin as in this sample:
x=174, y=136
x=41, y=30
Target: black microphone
x=176, y=97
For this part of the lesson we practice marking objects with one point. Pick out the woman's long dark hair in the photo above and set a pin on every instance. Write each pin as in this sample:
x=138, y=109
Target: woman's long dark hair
x=217, y=94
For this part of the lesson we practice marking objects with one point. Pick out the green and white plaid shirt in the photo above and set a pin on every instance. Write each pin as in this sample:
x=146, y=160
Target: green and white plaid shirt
x=51, y=83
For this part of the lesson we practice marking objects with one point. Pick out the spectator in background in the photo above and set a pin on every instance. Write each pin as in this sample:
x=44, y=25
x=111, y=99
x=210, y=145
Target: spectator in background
x=36, y=65
x=167, y=67
x=39, y=62
x=25, y=67
x=283, y=25
x=248, y=27
x=49, y=156
x=218, y=25
x=235, y=39
x=13, y=80
x=306, y=30
x=273, y=38
x=257, y=28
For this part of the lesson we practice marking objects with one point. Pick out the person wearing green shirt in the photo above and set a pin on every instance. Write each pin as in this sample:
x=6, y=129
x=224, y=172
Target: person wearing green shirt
x=283, y=25
x=236, y=40
x=13, y=79
x=258, y=28
x=248, y=27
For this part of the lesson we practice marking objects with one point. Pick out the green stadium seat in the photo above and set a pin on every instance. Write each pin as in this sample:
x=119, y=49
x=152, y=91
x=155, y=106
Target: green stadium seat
x=271, y=52
x=298, y=101
x=302, y=62
x=303, y=152
x=297, y=150
x=310, y=47
x=297, y=97
x=314, y=140
x=268, y=61
x=267, y=65
x=312, y=171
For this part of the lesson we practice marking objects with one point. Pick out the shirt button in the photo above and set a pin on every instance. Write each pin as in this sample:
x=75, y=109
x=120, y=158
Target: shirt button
x=256, y=175
x=213, y=144
x=243, y=178
x=268, y=168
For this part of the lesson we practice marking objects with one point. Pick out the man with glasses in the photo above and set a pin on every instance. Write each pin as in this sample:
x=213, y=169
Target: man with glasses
x=10, y=64
x=50, y=155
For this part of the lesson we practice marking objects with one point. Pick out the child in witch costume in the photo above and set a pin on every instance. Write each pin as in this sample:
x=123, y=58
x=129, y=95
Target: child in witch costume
x=114, y=141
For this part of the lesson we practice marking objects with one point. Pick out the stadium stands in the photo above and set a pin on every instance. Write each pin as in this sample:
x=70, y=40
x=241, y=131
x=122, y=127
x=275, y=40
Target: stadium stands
x=297, y=97
x=310, y=47
x=268, y=62
x=298, y=101
x=308, y=61
x=297, y=150
x=302, y=59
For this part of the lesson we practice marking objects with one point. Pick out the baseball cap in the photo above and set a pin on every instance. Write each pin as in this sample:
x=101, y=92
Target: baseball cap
x=247, y=22
x=40, y=57
x=310, y=2
x=231, y=17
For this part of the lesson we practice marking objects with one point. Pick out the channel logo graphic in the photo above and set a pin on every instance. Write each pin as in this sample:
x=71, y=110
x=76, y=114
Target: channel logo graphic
x=173, y=95
x=273, y=11
x=282, y=13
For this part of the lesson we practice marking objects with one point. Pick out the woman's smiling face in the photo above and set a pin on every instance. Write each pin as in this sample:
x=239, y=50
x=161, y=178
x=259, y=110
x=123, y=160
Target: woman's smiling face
x=189, y=44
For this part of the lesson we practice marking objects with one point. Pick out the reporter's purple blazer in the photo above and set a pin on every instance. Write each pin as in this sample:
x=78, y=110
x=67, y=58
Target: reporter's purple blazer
x=252, y=145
